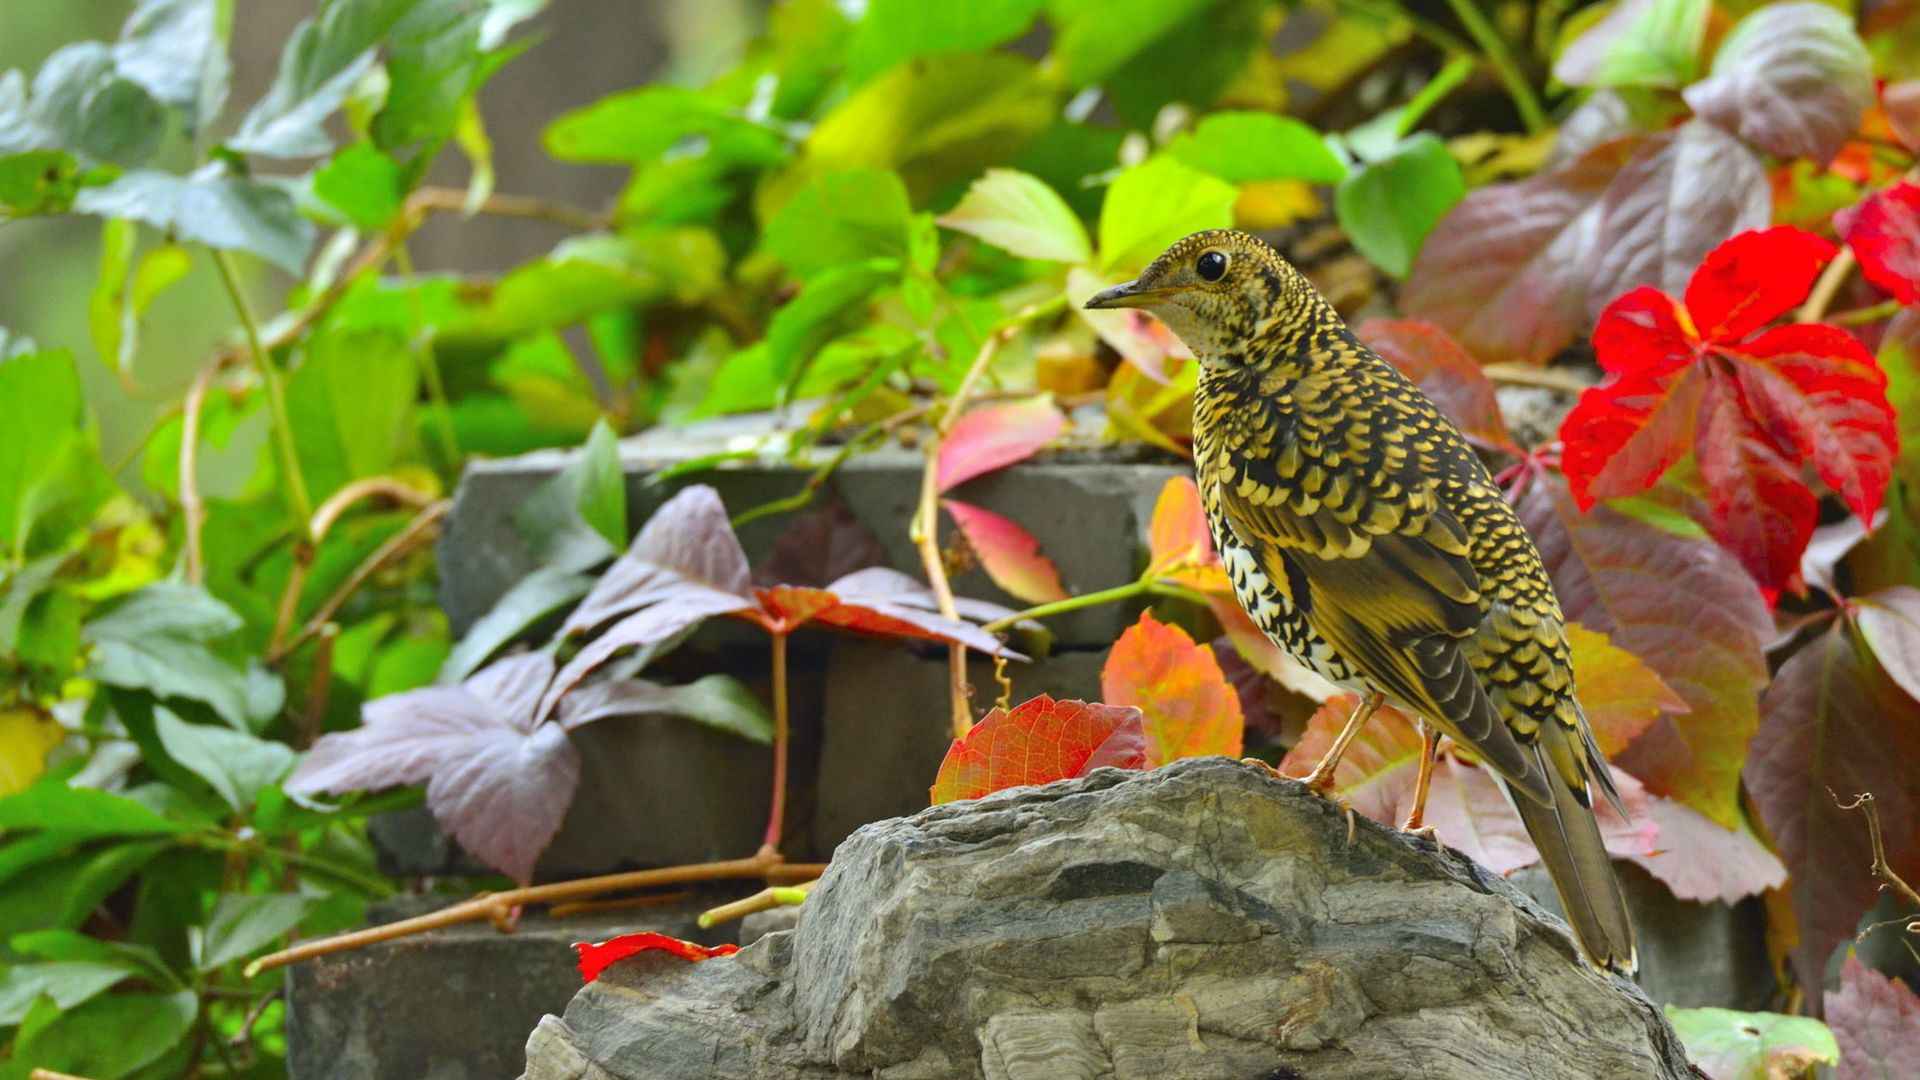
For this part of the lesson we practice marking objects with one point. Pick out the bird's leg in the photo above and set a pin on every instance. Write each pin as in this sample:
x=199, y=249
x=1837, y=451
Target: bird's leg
x=1321, y=778
x=1429, y=746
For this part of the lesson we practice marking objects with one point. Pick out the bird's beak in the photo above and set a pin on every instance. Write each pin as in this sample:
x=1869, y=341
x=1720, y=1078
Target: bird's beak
x=1128, y=295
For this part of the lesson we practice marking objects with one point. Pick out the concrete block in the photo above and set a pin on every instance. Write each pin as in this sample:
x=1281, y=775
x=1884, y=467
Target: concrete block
x=454, y=1004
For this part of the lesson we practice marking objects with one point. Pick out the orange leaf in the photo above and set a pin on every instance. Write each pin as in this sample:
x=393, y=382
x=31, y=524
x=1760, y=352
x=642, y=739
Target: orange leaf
x=1009, y=553
x=1379, y=763
x=995, y=436
x=1180, y=542
x=1621, y=695
x=1191, y=710
x=596, y=955
x=1040, y=741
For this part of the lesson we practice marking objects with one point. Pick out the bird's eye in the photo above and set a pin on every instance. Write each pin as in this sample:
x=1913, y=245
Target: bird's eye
x=1211, y=266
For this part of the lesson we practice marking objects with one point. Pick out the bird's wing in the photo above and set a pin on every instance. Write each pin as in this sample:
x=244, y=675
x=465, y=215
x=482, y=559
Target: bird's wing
x=1389, y=585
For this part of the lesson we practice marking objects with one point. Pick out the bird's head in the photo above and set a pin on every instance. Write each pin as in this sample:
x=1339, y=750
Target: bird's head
x=1225, y=293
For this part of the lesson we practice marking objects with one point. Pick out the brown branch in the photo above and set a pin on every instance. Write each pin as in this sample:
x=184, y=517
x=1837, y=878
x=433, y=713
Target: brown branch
x=445, y=199
x=341, y=501
x=625, y=903
x=416, y=532
x=1824, y=290
x=1883, y=870
x=192, y=508
x=765, y=865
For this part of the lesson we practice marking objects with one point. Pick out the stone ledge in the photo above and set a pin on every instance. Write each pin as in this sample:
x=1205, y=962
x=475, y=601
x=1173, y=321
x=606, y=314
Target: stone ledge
x=1201, y=920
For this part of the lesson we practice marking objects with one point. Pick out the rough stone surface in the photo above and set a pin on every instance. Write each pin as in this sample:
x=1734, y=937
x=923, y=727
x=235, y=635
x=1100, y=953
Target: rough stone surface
x=1201, y=920
x=455, y=1004
x=1691, y=954
x=881, y=745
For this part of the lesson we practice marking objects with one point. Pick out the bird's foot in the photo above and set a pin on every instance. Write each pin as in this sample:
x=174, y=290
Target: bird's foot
x=1424, y=832
x=1270, y=770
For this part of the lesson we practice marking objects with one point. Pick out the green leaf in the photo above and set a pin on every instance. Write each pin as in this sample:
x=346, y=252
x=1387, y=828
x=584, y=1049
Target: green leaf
x=1192, y=63
x=39, y=182
x=1639, y=43
x=637, y=126
x=434, y=62
x=23, y=586
x=1155, y=203
x=322, y=60
x=1019, y=213
x=125, y=291
x=211, y=207
x=840, y=218
x=73, y=947
x=1239, y=147
x=67, y=984
x=243, y=924
x=409, y=663
x=1389, y=206
x=744, y=382
x=890, y=31
x=820, y=311
x=63, y=893
x=1096, y=37
x=579, y=517
x=541, y=375
x=235, y=764
x=157, y=640
x=177, y=50
x=1731, y=1045
x=362, y=184
x=718, y=701
x=42, y=415
x=591, y=273
x=350, y=404
x=80, y=813
x=936, y=124
x=111, y=1036
x=81, y=103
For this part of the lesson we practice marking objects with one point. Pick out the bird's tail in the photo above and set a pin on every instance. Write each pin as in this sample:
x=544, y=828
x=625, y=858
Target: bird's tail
x=1569, y=841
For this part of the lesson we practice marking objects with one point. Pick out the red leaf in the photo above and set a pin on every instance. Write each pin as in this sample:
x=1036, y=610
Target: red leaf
x=595, y=956
x=1189, y=708
x=1884, y=232
x=1622, y=435
x=1009, y=553
x=1876, y=1021
x=1816, y=389
x=785, y=608
x=1506, y=270
x=1684, y=192
x=1446, y=373
x=1833, y=723
x=1640, y=333
x=1687, y=609
x=1761, y=511
x=1040, y=741
x=995, y=436
x=1753, y=279
x=497, y=779
x=1889, y=620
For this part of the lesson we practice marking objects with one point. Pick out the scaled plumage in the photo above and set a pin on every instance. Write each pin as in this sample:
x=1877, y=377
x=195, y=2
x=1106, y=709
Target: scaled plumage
x=1366, y=538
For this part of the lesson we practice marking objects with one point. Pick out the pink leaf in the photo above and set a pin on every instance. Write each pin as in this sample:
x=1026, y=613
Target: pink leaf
x=1876, y=1021
x=1009, y=553
x=994, y=436
x=1699, y=859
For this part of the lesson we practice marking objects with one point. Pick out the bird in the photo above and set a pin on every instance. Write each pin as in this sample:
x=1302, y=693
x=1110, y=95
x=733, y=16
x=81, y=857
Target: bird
x=1365, y=537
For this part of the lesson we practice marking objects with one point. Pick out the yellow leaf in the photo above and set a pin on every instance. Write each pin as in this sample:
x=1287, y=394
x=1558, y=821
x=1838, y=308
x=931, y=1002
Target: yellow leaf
x=26, y=736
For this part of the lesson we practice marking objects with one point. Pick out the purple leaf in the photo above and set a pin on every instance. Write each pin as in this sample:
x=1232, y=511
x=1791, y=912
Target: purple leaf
x=1792, y=79
x=672, y=612
x=1876, y=1021
x=893, y=595
x=497, y=779
x=688, y=545
x=1890, y=621
x=822, y=544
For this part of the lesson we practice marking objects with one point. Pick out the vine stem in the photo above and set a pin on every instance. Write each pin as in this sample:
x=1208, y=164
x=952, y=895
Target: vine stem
x=776, y=817
x=230, y=845
x=766, y=899
x=1494, y=44
x=494, y=906
x=1072, y=603
x=193, y=511
x=1882, y=869
x=1825, y=289
x=296, y=484
x=416, y=532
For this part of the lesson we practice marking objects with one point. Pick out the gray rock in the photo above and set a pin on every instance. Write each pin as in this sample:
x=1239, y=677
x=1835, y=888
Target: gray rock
x=1202, y=920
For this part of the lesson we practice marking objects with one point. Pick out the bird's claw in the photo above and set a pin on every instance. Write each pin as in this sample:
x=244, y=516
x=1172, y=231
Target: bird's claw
x=1424, y=832
x=1270, y=770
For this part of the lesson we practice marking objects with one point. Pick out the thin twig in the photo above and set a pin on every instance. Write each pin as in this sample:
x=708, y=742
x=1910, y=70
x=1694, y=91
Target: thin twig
x=295, y=482
x=1530, y=375
x=313, y=719
x=283, y=617
x=1824, y=290
x=49, y=1074
x=625, y=903
x=776, y=817
x=444, y=199
x=385, y=487
x=192, y=510
x=1882, y=869
x=765, y=865
x=766, y=899
x=244, y=1037
x=417, y=531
